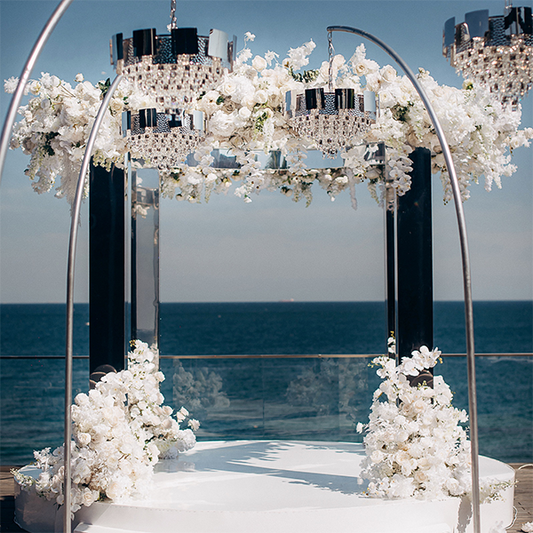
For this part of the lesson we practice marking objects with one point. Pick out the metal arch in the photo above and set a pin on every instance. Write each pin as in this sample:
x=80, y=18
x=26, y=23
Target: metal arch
x=24, y=77
x=467, y=282
x=74, y=223
x=4, y=142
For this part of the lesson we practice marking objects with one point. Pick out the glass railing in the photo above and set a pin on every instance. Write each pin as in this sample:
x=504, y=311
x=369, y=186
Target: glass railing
x=304, y=397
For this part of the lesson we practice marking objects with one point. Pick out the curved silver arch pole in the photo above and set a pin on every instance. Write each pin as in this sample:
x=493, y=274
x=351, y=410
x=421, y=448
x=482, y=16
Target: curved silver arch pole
x=24, y=77
x=73, y=241
x=467, y=282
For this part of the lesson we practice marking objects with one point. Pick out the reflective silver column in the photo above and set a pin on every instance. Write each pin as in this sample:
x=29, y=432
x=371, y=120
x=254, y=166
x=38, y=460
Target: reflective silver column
x=145, y=255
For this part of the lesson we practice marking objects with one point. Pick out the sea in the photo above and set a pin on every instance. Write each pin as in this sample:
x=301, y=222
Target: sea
x=267, y=381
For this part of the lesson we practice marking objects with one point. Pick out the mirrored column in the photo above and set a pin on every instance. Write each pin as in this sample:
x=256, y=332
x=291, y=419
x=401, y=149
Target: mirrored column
x=145, y=255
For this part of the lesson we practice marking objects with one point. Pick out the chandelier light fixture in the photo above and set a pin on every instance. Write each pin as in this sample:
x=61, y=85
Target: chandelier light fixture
x=335, y=119
x=174, y=69
x=496, y=52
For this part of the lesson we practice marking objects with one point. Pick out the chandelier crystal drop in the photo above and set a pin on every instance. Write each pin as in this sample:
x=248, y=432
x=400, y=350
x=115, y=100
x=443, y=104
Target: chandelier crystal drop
x=496, y=52
x=335, y=119
x=162, y=139
x=173, y=70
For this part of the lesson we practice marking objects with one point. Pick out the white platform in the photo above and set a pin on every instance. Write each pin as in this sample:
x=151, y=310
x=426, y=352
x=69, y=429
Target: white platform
x=269, y=487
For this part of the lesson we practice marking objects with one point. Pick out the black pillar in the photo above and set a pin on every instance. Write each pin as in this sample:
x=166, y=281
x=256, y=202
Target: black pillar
x=106, y=270
x=415, y=259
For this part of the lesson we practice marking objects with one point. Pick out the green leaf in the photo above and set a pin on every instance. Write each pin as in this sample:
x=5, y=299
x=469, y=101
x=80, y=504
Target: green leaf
x=307, y=76
x=104, y=86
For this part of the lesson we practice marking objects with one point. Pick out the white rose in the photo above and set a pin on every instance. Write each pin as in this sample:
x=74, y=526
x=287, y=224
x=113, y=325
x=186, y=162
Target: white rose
x=420, y=476
x=244, y=113
x=388, y=73
x=114, y=490
x=221, y=124
x=360, y=69
x=338, y=61
x=116, y=105
x=166, y=424
x=84, y=438
x=453, y=486
x=88, y=497
x=419, y=406
x=376, y=456
x=259, y=63
x=261, y=97
x=228, y=87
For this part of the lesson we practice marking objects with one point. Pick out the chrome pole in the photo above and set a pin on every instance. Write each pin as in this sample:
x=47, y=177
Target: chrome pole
x=467, y=282
x=74, y=223
x=24, y=77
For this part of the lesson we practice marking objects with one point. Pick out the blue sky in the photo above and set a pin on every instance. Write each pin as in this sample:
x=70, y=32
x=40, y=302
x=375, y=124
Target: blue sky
x=273, y=248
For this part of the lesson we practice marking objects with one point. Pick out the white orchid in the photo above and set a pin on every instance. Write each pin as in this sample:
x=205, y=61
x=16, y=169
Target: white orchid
x=120, y=429
x=415, y=444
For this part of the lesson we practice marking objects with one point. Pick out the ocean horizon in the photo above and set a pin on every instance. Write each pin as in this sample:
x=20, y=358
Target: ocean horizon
x=302, y=398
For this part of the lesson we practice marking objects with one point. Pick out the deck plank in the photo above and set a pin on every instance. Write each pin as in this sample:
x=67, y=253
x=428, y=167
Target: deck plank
x=523, y=499
x=523, y=496
x=7, y=501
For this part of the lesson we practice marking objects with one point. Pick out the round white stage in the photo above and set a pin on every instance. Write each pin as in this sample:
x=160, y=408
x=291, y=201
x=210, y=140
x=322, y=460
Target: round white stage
x=269, y=487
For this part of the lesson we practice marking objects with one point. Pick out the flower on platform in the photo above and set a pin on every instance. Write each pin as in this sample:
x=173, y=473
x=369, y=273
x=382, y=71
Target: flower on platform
x=120, y=429
x=414, y=442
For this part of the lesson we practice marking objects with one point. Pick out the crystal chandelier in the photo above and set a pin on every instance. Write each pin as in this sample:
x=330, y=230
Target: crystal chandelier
x=174, y=69
x=496, y=52
x=335, y=119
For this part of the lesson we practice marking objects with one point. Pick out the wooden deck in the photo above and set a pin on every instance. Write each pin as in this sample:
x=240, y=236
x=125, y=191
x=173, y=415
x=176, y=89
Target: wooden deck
x=523, y=496
x=523, y=500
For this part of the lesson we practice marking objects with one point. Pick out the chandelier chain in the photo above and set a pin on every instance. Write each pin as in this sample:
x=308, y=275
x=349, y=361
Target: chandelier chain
x=331, y=51
x=508, y=6
x=173, y=19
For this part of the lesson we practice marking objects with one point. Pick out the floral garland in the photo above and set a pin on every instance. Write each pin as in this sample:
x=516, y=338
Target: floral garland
x=245, y=114
x=121, y=430
x=56, y=125
x=415, y=445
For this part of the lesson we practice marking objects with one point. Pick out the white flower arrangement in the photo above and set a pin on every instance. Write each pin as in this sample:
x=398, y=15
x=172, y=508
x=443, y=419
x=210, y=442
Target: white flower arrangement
x=415, y=445
x=245, y=114
x=121, y=430
x=55, y=128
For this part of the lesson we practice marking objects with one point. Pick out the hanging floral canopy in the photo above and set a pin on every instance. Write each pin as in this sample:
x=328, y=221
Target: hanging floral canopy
x=245, y=115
